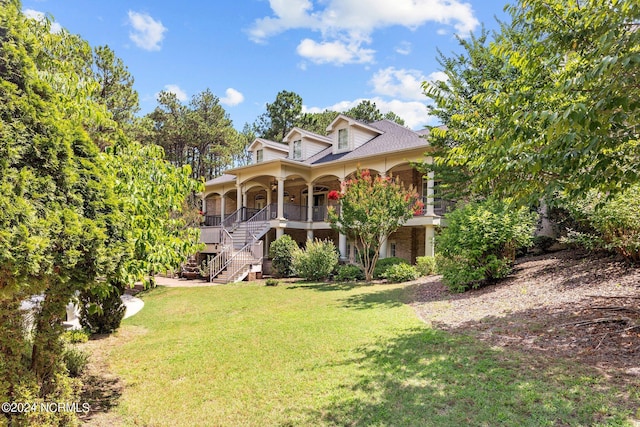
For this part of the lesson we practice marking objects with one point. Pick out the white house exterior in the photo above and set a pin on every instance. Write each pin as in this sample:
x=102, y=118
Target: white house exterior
x=284, y=191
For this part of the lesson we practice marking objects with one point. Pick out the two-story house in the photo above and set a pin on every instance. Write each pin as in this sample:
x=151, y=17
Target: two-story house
x=284, y=191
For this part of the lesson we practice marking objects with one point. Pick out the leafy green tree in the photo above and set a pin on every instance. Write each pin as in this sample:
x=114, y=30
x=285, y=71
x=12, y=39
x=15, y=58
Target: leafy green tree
x=371, y=208
x=317, y=122
x=200, y=134
x=281, y=116
x=367, y=111
x=562, y=115
x=60, y=225
x=116, y=91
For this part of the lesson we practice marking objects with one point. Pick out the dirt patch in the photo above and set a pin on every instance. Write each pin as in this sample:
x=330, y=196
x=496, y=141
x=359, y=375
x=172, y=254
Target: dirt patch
x=569, y=304
x=101, y=388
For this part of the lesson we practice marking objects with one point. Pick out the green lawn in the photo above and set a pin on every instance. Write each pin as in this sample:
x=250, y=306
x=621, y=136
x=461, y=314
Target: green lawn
x=314, y=354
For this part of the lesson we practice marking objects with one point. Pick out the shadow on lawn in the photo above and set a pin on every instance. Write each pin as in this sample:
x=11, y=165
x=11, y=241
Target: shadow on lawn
x=327, y=287
x=392, y=297
x=431, y=378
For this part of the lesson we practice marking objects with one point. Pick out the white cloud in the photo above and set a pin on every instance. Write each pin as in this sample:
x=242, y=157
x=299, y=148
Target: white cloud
x=147, y=32
x=353, y=21
x=414, y=113
x=42, y=18
x=233, y=97
x=335, y=52
x=404, y=48
x=180, y=94
x=401, y=83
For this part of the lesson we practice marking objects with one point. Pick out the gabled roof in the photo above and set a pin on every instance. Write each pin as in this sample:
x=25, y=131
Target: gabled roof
x=271, y=144
x=352, y=122
x=309, y=134
x=393, y=137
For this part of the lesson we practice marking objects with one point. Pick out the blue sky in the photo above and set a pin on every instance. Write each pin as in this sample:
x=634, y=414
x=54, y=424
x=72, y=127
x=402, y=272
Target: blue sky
x=333, y=53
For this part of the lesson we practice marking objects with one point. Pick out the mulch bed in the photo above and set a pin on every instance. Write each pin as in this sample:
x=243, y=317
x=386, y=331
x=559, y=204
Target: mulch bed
x=568, y=304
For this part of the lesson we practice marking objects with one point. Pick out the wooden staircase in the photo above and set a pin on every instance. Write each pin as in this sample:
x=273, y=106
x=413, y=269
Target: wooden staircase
x=242, y=247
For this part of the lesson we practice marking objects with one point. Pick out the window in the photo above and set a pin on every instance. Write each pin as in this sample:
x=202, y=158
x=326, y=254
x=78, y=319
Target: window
x=259, y=156
x=343, y=139
x=392, y=249
x=297, y=149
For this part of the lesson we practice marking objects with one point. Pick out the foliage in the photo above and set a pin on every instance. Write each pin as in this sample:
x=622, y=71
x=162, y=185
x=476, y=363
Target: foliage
x=383, y=264
x=426, y=265
x=272, y=282
x=316, y=122
x=60, y=224
x=281, y=254
x=199, y=134
x=349, y=273
x=74, y=336
x=101, y=310
x=75, y=360
x=399, y=273
x=281, y=116
x=371, y=208
x=614, y=220
x=367, y=111
x=317, y=261
x=153, y=194
x=553, y=106
x=480, y=242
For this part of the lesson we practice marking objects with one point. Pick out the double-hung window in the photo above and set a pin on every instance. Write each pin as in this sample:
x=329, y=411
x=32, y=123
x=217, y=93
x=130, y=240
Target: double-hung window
x=259, y=156
x=343, y=139
x=297, y=149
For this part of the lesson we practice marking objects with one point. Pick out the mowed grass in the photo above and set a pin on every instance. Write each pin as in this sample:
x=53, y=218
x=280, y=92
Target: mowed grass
x=327, y=354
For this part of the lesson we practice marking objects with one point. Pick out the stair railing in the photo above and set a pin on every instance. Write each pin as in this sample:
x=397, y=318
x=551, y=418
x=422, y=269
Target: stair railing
x=220, y=261
x=251, y=253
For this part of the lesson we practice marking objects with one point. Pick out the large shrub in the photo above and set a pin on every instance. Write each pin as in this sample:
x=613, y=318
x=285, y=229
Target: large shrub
x=101, y=312
x=612, y=224
x=480, y=242
x=316, y=261
x=281, y=254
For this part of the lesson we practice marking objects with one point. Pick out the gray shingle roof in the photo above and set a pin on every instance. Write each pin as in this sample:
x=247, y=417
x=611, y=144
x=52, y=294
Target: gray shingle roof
x=224, y=178
x=394, y=138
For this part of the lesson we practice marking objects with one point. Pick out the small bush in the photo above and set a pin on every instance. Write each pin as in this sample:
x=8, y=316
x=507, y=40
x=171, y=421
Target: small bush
x=102, y=313
x=316, y=261
x=399, y=273
x=75, y=360
x=543, y=243
x=75, y=336
x=608, y=223
x=426, y=265
x=281, y=254
x=272, y=282
x=383, y=264
x=349, y=273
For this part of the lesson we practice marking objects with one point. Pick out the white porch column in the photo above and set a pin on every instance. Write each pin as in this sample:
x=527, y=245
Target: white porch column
x=244, y=198
x=310, y=234
x=204, y=204
x=268, y=195
x=429, y=240
x=279, y=232
x=383, y=248
x=238, y=196
x=222, y=208
x=310, y=202
x=280, y=198
x=342, y=246
x=429, y=194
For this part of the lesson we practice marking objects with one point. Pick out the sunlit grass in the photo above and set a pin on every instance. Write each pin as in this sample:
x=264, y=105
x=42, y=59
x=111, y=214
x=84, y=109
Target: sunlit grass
x=314, y=354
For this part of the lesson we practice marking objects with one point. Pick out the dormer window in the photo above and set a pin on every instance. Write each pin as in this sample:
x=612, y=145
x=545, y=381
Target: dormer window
x=297, y=149
x=259, y=156
x=343, y=139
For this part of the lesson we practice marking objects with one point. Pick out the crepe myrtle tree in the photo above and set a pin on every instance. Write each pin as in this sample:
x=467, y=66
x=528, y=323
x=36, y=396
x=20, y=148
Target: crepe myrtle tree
x=371, y=208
